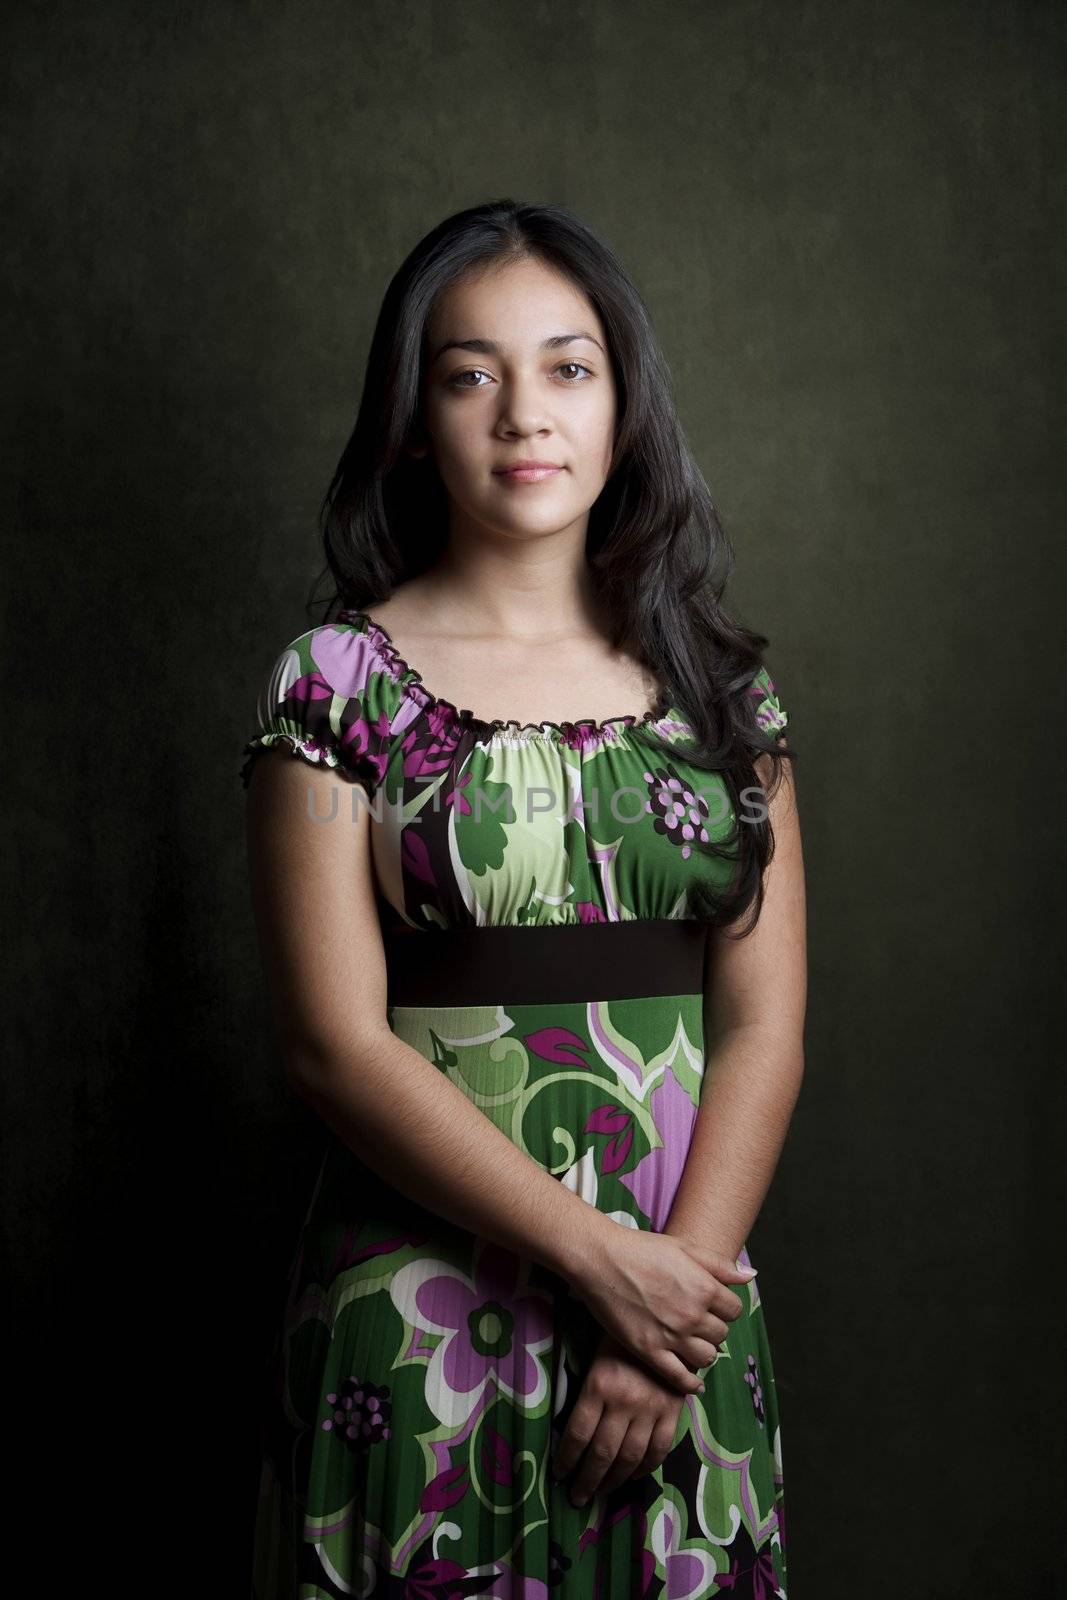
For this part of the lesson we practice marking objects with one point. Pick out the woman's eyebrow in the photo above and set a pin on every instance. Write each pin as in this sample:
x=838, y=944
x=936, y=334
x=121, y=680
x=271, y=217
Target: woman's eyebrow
x=488, y=347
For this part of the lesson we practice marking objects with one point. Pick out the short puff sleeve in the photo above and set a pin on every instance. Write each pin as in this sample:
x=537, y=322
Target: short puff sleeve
x=332, y=699
x=771, y=719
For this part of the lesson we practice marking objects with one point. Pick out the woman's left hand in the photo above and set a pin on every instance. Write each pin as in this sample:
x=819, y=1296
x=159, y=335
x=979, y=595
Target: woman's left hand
x=622, y=1425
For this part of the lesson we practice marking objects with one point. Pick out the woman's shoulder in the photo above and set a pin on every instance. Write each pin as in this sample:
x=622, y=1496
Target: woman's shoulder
x=333, y=695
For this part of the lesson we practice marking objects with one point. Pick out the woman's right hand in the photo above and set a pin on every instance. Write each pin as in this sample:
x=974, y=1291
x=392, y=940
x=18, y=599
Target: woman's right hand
x=663, y=1298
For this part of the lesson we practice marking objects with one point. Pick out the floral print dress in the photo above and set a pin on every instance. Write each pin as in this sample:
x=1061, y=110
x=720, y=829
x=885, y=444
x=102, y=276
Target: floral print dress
x=423, y=1376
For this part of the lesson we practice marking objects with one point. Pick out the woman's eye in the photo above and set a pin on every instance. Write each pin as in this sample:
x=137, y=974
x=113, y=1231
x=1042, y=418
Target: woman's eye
x=577, y=364
x=470, y=372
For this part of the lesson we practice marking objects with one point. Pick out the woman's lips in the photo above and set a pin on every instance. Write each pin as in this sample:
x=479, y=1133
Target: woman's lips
x=528, y=474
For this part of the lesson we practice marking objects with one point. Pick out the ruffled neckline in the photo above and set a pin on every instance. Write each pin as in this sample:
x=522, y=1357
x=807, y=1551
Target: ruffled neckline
x=411, y=680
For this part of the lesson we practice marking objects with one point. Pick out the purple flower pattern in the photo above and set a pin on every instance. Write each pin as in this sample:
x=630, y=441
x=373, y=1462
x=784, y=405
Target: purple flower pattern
x=486, y=1329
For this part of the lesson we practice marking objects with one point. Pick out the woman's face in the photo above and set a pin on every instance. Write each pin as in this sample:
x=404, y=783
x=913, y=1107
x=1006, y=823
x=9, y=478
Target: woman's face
x=526, y=376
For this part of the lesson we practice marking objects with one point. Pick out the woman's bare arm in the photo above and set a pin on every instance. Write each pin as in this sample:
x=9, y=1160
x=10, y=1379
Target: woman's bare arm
x=313, y=898
x=755, y=1001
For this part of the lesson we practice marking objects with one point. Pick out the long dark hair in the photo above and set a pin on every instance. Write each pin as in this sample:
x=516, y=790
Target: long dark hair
x=659, y=556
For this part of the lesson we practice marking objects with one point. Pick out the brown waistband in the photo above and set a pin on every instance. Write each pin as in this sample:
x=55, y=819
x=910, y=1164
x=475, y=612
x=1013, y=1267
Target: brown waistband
x=477, y=966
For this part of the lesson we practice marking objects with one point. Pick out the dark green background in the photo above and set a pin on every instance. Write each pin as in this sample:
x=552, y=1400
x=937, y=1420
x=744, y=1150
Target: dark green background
x=848, y=222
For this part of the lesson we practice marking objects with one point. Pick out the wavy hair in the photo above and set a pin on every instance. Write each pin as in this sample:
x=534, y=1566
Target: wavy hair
x=658, y=553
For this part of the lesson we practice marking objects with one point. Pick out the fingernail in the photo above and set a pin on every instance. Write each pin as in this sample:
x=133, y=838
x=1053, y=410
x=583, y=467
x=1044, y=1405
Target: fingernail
x=747, y=1272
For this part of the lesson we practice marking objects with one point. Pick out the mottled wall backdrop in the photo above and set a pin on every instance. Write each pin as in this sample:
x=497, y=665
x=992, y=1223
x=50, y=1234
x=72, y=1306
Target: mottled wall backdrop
x=848, y=223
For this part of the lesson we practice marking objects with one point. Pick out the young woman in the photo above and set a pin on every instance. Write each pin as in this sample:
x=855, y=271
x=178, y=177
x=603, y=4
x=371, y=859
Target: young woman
x=532, y=965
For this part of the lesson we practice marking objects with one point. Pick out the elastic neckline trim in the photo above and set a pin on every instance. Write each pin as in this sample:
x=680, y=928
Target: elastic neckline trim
x=412, y=680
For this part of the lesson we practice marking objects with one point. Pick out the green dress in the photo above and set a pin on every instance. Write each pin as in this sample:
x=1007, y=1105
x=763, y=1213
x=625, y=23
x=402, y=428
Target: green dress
x=423, y=1375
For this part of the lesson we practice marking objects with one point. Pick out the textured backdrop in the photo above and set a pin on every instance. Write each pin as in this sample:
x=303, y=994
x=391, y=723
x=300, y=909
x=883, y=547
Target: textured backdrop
x=848, y=223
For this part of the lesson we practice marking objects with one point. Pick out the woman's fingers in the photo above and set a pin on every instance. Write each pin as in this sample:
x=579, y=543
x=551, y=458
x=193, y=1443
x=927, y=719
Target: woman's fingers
x=631, y=1450
x=727, y=1302
x=696, y=1352
x=611, y=1455
x=673, y=1370
x=580, y=1428
x=660, y=1444
x=712, y=1328
x=598, y=1455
